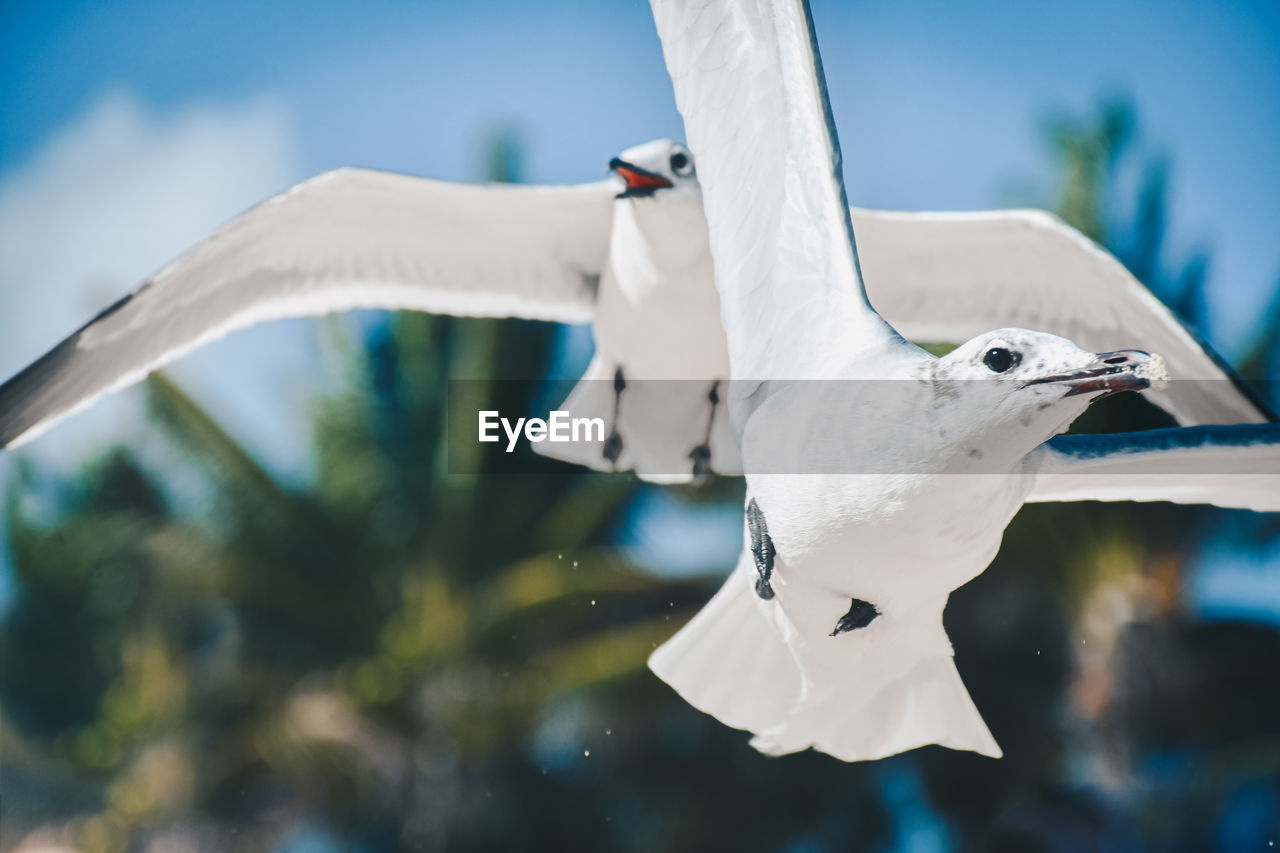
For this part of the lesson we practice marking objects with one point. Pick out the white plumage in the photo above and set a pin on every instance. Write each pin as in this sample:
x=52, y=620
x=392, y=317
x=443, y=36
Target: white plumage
x=351, y=238
x=875, y=491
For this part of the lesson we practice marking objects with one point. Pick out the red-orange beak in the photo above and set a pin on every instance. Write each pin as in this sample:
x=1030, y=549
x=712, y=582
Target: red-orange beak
x=640, y=182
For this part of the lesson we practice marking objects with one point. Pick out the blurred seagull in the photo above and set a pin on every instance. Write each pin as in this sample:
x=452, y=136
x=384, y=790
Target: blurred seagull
x=629, y=255
x=879, y=478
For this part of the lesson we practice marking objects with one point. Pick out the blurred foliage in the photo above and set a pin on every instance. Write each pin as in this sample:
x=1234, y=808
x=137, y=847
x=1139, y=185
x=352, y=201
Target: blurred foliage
x=397, y=657
x=1088, y=149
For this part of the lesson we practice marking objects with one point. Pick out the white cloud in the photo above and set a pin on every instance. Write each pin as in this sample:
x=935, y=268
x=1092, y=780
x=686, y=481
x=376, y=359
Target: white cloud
x=115, y=194
x=111, y=197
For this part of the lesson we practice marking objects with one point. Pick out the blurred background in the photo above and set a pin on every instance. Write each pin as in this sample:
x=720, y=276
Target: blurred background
x=245, y=607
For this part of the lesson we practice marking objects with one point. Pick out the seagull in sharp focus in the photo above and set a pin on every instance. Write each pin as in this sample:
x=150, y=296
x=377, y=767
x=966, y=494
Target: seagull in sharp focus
x=629, y=255
x=879, y=477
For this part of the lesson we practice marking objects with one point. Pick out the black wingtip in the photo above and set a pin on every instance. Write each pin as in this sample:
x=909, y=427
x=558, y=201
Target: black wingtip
x=28, y=399
x=20, y=396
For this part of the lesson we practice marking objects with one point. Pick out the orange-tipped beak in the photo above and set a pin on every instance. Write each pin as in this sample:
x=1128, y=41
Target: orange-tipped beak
x=640, y=182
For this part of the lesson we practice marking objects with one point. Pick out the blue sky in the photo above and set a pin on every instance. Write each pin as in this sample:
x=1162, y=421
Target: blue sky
x=133, y=128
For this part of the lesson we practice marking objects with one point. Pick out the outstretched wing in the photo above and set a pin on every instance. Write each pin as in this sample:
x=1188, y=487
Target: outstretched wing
x=750, y=87
x=945, y=277
x=1229, y=466
x=351, y=238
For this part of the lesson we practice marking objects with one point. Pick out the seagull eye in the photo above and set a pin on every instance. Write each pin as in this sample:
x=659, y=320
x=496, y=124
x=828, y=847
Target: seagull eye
x=999, y=359
x=680, y=163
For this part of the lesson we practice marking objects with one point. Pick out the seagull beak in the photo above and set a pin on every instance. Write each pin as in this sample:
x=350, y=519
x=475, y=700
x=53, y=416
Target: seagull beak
x=640, y=182
x=1112, y=372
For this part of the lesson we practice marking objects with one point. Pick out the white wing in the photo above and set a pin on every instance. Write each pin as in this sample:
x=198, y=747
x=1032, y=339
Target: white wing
x=351, y=238
x=748, y=83
x=1229, y=466
x=945, y=277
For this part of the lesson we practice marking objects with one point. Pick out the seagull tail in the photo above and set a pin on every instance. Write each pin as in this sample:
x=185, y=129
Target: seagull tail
x=729, y=661
x=893, y=687
x=898, y=689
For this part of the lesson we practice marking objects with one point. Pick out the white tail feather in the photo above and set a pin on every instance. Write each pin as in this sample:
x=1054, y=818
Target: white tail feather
x=729, y=661
x=861, y=722
x=896, y=688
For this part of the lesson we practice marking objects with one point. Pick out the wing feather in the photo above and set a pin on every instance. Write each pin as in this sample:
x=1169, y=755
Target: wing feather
x=351, y=238
x=749, y=84
x=1234, y=466
x=945, y=277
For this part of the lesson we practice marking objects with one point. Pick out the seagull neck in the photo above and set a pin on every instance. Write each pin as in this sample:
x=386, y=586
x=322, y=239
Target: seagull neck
x=671, y=231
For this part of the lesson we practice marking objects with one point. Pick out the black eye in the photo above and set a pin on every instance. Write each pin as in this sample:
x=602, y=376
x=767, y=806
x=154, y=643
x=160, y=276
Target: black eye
x=679, y=162
x=1000, y=359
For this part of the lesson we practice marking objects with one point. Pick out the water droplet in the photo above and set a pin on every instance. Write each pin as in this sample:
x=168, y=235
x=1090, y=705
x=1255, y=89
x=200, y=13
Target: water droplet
x=608, y=731
x=559, y=556
x=575, y=564
x=593, y=602
x=586, y=753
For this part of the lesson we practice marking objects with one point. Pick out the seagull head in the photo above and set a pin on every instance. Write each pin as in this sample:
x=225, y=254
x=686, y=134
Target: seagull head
x=662, y=165
x=1041, y=382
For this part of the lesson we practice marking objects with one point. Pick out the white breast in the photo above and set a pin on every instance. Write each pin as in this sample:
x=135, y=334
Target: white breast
x=659, y=287
x=871, y=514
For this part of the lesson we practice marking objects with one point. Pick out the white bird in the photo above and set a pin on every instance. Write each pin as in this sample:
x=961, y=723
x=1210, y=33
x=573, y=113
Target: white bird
x=627, y=253
x=879, y=478
x=631, y=256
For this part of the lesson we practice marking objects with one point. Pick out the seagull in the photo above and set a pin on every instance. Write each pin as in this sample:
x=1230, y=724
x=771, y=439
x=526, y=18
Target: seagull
x=628, y=254
x=879, y=477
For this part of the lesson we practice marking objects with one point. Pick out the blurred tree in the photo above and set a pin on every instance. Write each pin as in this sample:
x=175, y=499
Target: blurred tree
x=1087, y=151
